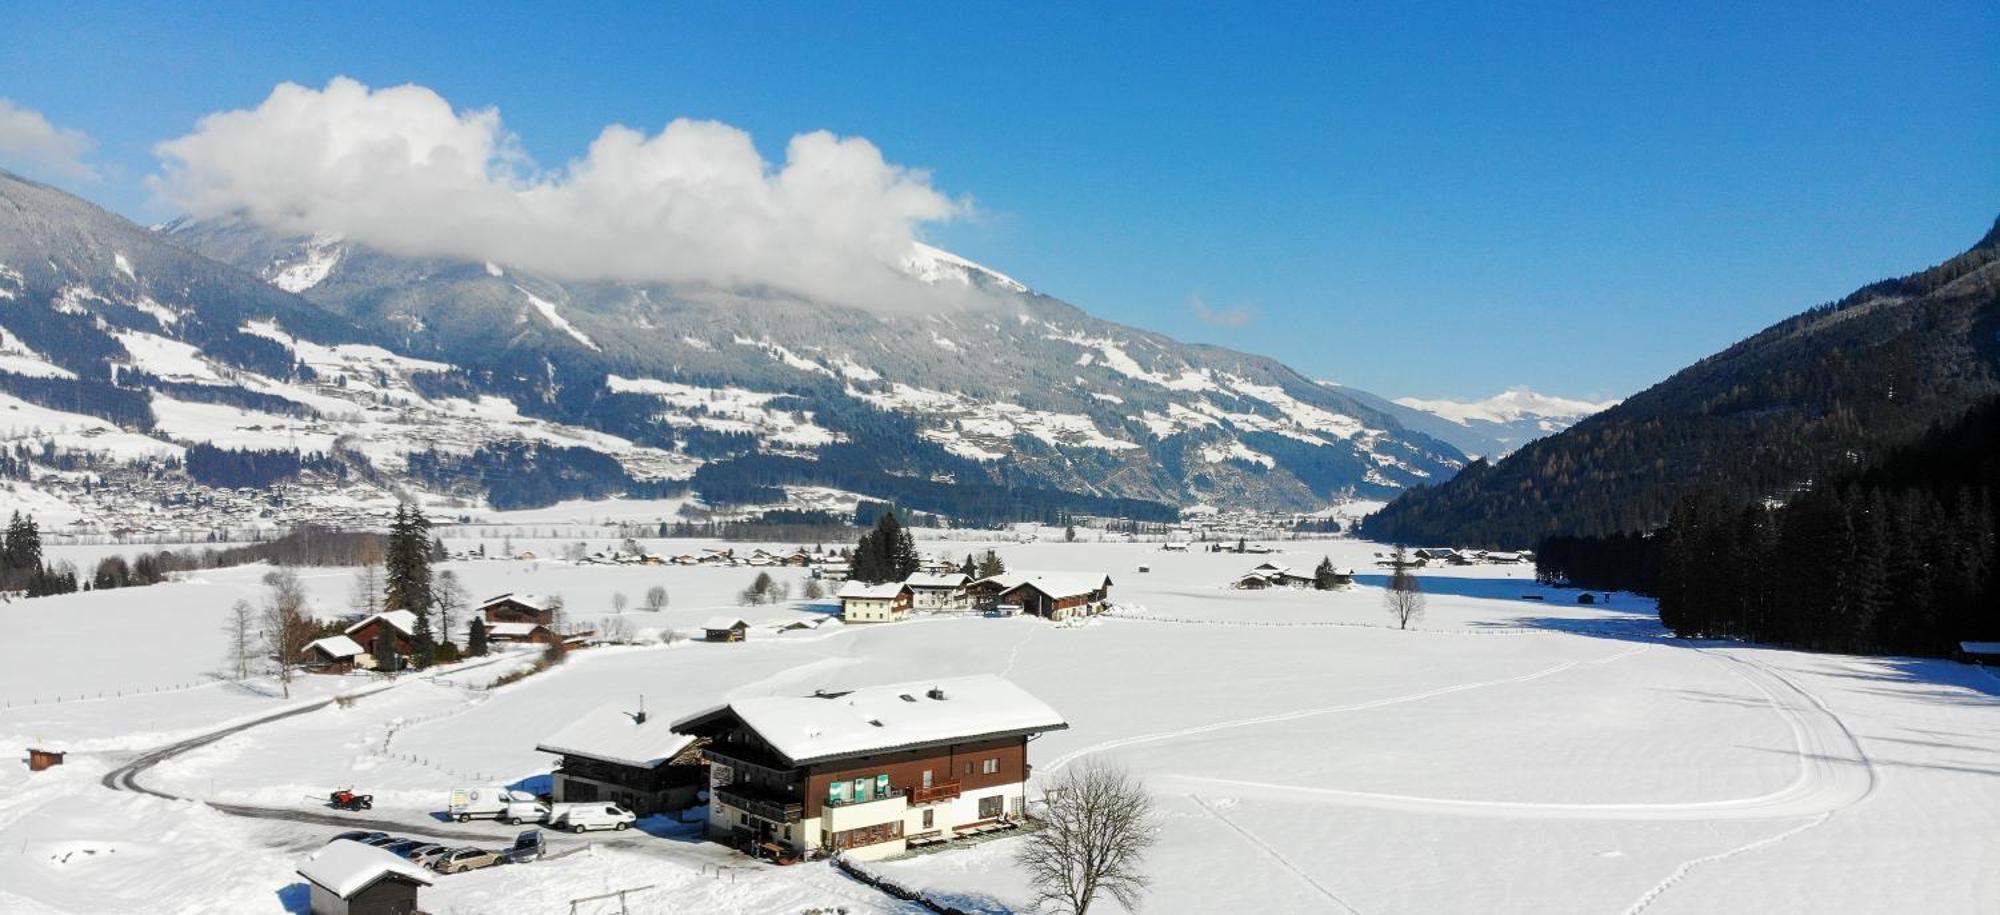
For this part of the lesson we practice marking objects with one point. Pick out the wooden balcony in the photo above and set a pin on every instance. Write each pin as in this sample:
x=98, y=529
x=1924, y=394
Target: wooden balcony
x=757, y=804
x=942, y=791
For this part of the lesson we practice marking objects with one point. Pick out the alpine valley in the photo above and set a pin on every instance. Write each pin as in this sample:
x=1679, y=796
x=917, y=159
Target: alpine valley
x=215, y=371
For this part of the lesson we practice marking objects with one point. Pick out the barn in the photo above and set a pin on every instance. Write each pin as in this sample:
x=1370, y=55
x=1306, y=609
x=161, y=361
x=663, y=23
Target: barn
x=518, y=608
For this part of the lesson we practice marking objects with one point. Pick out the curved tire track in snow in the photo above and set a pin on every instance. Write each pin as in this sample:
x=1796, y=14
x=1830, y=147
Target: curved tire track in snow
x=1159, y=736
x=1834, y=774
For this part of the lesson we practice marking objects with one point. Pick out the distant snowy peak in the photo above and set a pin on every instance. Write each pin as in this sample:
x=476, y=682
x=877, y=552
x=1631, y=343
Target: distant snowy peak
x=306, y=266
x=1510, y=406
x=935, y=265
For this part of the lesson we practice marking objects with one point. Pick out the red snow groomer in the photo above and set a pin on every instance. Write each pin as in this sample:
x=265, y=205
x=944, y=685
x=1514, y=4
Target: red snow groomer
x=346, y=799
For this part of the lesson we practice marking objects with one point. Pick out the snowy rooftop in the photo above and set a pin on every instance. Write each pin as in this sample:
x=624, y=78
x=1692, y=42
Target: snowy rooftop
x=921, y=580
x=613, y=732
x=347, y=867
x=535, y=601
x=724, y=622
x=878, y=718
x=338, y=646
x=402, y=621
x=884, y=591
x=512, y=630
x=1060, y=584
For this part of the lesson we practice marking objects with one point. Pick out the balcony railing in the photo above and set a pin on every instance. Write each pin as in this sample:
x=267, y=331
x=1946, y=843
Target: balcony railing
x=942, y=791
x=745, y=758
x=776, y=809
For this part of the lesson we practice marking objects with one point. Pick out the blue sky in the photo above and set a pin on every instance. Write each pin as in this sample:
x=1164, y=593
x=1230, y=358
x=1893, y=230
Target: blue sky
x=1429, y=200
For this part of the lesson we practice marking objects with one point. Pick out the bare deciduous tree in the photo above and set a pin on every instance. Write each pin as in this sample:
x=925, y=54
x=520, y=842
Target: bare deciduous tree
x=1405, y=597
x=449, y=593
x=656, y=598
x=367, y=594
x=1097, y=826
x=619, y=602
x=287, y=628
x=242, y=631
x=813, y=590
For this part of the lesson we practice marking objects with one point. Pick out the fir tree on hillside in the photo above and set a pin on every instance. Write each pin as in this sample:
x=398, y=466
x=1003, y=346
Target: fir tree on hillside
x=887, y=553
x=409, y=585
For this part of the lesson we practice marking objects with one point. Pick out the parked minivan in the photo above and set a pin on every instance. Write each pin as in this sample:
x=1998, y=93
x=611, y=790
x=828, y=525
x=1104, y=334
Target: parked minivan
x=520, y=812
x=581, y=817
x=487, y=802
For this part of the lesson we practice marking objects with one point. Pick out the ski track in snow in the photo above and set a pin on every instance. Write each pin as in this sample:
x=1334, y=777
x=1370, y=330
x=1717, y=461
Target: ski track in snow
x=1274, y=855
x=1072, y=756
x=1834, y=773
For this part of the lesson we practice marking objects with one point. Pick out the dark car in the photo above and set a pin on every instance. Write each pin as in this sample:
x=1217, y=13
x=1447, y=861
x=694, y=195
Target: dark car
x=382, y=840
x=528, y=846
x=358, y=835
x=404, y=847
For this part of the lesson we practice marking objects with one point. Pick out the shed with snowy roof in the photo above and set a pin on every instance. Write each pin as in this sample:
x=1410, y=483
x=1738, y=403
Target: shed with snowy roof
x=618, y=752
x=349, y=878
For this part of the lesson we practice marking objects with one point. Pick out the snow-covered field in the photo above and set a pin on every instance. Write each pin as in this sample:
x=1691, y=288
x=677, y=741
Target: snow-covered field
x=1504, y=755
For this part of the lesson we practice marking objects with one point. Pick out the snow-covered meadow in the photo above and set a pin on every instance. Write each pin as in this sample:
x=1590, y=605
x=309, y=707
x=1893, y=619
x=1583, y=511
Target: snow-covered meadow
x=1504, y=755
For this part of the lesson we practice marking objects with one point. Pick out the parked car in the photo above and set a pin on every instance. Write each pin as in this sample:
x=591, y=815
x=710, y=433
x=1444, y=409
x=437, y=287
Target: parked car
x=520, y=812
x=358, y=835
x=458, y=860
x=401, y=848
x=383, y=840
x=528, y=846
x=488, y=802
x=584, y=817
x=424, y=854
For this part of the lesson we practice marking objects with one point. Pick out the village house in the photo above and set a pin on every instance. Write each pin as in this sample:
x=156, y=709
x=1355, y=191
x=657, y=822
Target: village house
x=869, y=772
x=618, y=753
x=1059, y=596
x=883, y=603
x=724, y=629
x=1273, y=575
x=335, y=654
x=401, y=626
x=937, y=593
x=518, y=608
x=349, y=878
x=534, y=633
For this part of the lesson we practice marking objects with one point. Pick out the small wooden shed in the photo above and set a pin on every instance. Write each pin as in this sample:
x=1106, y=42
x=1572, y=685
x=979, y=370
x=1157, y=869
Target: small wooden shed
x=42, y=759
x=725, y=629
x=349, y=878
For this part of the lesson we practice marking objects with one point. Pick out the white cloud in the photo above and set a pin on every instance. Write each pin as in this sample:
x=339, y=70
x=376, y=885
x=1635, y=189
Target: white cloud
x=27, y=138
x=398, y=169
x=1230, y=316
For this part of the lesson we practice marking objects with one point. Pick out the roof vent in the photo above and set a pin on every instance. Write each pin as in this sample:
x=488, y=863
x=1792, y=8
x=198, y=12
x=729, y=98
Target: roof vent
x=936, y=693
x=906, y=697
x=875, y=721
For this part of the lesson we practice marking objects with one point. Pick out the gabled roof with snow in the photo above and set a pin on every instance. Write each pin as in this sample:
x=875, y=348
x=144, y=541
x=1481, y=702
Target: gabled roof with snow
x=724, y=622
x=876, y=719
x=513, y=630
x=402, y=621
x=953, y=580
x=347, y=867
x=614, y=732
x=532, y=601
x=1063, y=584
x=337, y=646
x=855, y=590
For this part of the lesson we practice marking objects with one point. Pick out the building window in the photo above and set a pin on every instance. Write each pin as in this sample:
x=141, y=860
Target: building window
x=861, y=792
x=927, y=778
x=836, y=793
x=930, y=817
x=882, y=785
x=990, y=766
x=989, y=807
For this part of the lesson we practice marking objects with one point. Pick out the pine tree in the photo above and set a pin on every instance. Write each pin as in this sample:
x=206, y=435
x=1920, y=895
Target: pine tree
x=386, y=660
x=1324, y=578
x=475, y=641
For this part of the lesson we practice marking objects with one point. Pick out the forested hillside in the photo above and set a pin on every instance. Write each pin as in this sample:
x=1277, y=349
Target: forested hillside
x=1810, y=398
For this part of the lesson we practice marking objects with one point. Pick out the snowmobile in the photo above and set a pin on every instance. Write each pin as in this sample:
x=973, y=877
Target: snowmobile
x=346, y=799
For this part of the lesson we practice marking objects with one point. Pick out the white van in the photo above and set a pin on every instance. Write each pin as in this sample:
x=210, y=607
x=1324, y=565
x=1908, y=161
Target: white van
x=520, y=812
x=487, y=802
x=581, y=817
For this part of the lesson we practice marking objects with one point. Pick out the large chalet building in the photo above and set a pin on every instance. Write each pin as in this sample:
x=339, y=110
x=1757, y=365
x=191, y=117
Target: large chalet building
x=617, y=753
x=883, y=603
x=869, y=772
x=1052, y=595
x=518, y=608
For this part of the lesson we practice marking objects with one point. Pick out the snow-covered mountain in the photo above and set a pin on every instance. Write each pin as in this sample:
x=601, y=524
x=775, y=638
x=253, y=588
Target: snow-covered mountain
x=1499, y=424
x=442, y=377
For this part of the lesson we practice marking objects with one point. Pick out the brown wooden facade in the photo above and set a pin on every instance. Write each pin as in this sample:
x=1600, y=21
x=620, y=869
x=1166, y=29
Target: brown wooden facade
x=368, y=632
x=508, y=610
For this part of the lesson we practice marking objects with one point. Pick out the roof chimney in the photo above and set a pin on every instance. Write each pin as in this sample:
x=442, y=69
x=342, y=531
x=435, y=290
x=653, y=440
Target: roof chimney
x=936, y=693
x=641, y=717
